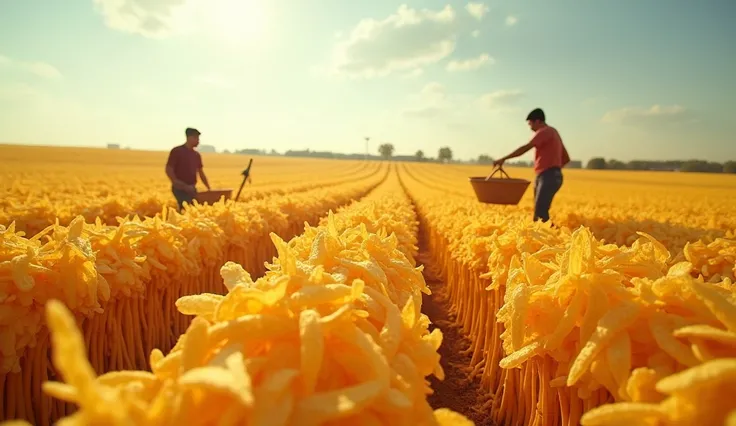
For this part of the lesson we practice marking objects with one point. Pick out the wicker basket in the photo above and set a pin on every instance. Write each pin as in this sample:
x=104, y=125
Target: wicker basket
x=501, y=190
x=209, y=197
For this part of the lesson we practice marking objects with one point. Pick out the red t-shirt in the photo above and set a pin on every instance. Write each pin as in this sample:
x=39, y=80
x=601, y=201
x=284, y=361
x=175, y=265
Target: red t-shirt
x=185, y=162
x=549, y=150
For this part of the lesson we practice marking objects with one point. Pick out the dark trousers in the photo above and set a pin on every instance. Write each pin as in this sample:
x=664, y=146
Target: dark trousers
x=182, y=197
x=545, y=187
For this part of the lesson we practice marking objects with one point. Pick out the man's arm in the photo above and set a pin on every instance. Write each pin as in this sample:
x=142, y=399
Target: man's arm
x=204, y=178
x=178, y=184
x=517, y=153
x=565, y=156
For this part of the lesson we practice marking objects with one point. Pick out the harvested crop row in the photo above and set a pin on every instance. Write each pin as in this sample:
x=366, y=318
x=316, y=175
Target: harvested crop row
x=712, y=253
x=332, y=335
x=122, y=282
x=562, y=325
x=613, y=214
x=28, y=203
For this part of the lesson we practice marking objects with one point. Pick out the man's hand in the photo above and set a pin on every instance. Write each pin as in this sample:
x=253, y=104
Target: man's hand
x=204, y=178
x=191, y=189
x=499, y=162
x=565, y=156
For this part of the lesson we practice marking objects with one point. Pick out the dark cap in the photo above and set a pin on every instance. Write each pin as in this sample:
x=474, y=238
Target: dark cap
x=536, y=114
x=192, y=132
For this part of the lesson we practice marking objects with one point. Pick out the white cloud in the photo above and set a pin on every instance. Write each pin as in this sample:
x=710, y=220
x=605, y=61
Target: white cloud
x=40, y=69
x=469, y=64
x=405, y=40
x=656, y=114
x=501, y=99
x=511, y=20
x=475, y=34
x=231, y=20
x=155, y=19
x=477, y=10
x=215, y=80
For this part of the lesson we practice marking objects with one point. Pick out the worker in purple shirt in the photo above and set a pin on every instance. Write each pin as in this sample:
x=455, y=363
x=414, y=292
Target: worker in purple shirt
x=182, y=168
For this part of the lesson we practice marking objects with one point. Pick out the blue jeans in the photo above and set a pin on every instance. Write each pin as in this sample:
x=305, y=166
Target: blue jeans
x=545, y=187
x=182, y=197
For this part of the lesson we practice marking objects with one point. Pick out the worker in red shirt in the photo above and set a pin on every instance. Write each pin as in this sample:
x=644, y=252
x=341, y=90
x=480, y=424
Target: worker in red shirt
x=550, y=157
x=182, y=168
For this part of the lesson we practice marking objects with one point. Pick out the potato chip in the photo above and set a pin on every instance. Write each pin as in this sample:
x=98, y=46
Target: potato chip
x=622, y=414
x=692, y=379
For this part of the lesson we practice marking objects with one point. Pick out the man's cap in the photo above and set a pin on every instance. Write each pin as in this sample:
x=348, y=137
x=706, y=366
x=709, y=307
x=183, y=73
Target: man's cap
x=191, y=131
x=536, y=114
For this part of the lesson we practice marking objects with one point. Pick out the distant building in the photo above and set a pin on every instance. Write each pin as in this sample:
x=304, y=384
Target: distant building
x=113, y=146
x=206, y=148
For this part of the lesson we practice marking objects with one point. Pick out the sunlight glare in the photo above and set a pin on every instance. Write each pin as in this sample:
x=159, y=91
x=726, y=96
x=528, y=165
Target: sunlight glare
x=237, y=20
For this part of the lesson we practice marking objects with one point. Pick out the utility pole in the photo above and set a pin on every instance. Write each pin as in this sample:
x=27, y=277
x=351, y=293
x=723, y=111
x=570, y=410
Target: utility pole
x=366, y=147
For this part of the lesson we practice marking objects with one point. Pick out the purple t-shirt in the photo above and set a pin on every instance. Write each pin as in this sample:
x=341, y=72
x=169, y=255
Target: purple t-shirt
x=185, y=162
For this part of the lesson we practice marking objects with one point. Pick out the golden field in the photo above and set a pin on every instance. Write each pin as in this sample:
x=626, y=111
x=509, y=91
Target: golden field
x=46, y=183
x=623, y=312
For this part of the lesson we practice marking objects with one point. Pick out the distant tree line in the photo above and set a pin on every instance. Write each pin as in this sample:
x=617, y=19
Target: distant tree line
x=699, y=166
x=445, y=155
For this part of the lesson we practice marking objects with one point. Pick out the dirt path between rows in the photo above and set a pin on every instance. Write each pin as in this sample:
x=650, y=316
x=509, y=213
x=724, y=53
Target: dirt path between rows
x=456, y=392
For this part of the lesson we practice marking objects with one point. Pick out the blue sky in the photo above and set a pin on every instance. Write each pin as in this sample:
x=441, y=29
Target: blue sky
x=626, y=79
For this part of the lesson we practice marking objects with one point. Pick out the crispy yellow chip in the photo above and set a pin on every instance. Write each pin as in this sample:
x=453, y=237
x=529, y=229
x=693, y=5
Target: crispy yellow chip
x=618, y=356
x=567, y=324
x=203, y=305
x=60, y=391
x=717, y=370
x=215, y=379
x=717, y=302
x=312, y=349
x=519, y=302
x=195, y=345
x=515, y=359
x=680, y=269
x=624, y=413
x=662, y=332
x=69, y=354
x=612, y=322
x=446, y=417
x=707, y=332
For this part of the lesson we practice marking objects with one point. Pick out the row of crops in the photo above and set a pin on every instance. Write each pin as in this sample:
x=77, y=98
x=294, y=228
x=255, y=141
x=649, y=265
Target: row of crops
x=566, y=329
x=174, y=318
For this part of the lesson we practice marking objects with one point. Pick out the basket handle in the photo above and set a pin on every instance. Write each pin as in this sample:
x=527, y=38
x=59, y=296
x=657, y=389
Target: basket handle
x=499, y=169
